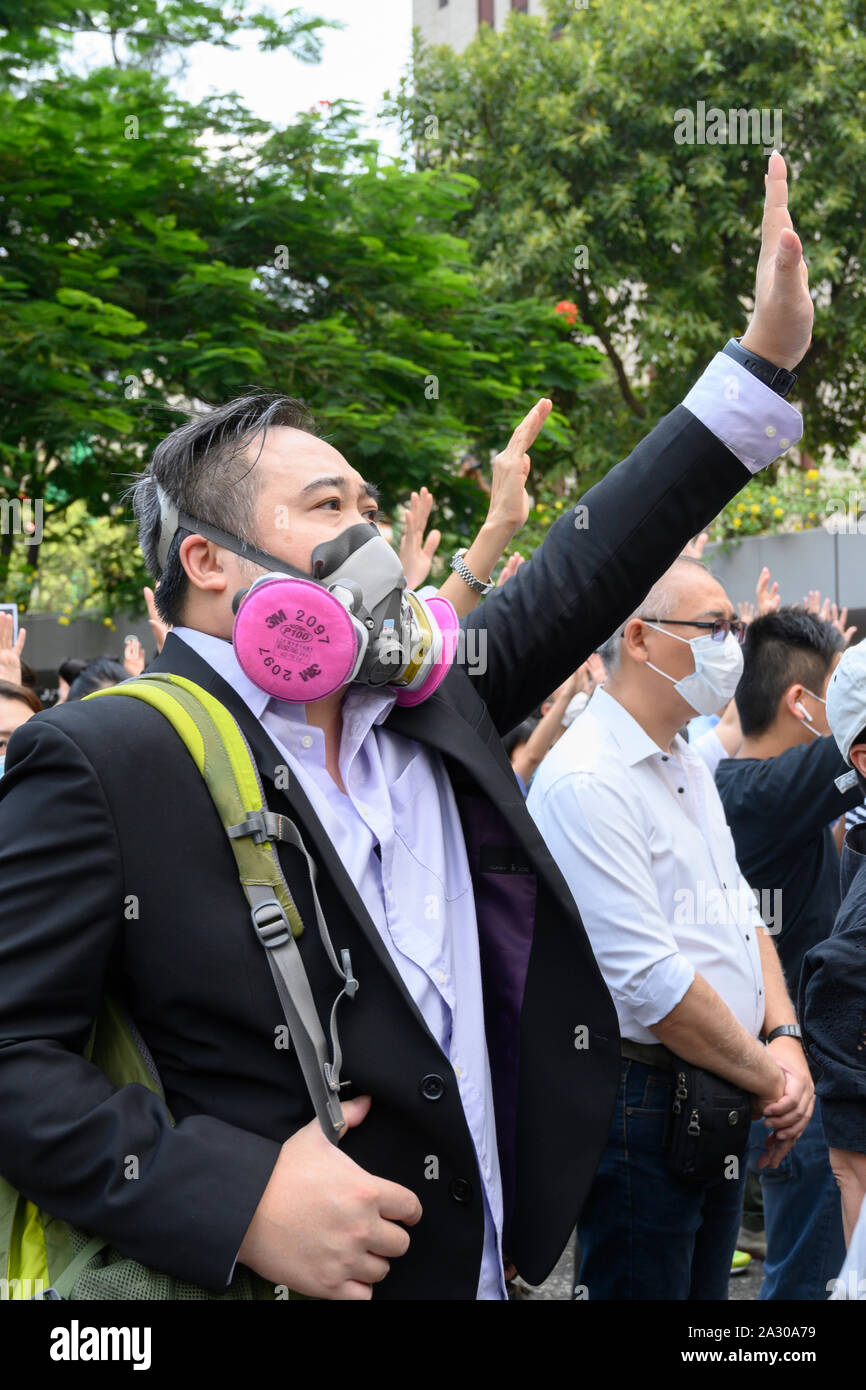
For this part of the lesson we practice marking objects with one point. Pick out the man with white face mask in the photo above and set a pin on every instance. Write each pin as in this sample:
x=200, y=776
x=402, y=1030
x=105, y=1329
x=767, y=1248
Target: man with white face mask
x=634, y=821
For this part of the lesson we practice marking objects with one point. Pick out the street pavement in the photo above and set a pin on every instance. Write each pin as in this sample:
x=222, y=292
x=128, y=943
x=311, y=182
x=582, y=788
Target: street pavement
x=559, y=1285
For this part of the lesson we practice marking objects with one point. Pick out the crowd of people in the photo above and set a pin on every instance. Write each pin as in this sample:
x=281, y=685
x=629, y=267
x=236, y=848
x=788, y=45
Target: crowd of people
x=602, y=792
x=580, y=918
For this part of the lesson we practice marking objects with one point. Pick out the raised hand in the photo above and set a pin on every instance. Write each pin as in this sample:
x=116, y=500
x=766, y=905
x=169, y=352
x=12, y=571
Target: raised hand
x=746, y=610
x=769, y=600
x=509, y=500
x=511, y=566
x=158, y=627
x=133, y=656
x=416, y=554
x=10, y=652
x=812, y=601
x=781, y=325
x=839, y=620
x=695, y=548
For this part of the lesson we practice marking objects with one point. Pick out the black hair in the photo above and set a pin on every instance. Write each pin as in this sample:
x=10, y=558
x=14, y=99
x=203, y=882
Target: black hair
x=781, y=649
x=72, y=667
x=96, y=676
x=519, y=734
x=203, y=469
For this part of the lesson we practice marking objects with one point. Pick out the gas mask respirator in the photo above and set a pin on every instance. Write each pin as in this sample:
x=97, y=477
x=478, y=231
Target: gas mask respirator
x=300, y=637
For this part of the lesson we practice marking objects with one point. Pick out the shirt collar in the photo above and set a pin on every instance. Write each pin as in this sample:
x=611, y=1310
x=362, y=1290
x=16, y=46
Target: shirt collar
x=367, y=705
x=632, y=738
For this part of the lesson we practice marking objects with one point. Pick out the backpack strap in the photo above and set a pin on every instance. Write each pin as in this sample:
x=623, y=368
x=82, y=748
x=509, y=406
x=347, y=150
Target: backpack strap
x=222, y=756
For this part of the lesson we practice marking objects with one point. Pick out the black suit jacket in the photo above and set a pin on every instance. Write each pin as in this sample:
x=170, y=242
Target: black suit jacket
x=117, y=874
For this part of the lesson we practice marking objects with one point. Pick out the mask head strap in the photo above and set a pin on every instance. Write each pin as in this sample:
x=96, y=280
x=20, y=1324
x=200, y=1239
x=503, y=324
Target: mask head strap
x=171, y=520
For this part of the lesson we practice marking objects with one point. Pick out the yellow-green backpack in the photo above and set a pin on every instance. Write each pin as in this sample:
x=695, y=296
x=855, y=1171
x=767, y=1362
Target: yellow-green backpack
x=43, y=1256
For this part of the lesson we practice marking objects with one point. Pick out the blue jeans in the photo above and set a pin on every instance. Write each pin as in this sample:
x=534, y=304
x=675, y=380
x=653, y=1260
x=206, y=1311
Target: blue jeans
x=644, y=1233
x=802, y=1216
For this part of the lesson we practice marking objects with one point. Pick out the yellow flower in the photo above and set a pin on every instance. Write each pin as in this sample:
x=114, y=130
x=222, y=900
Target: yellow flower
x=811, y=473
x=737, y=521
x=811, y=516
x=808, y=491
x=754, y=509
x=107, y=622
x=559, y=504
x=64, y=622
x=797, y=526
x=741, y=506
x=778, y=512
x=772, y=500
x=67, y=610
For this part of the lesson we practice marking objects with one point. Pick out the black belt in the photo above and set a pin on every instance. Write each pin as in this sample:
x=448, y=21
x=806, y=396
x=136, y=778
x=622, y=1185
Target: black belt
x=651, y=1054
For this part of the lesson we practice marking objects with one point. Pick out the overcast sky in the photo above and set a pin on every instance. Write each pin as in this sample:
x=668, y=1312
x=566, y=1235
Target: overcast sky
x=360, y=62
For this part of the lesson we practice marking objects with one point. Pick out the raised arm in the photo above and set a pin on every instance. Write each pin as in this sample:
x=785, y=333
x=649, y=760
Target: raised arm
x=599, y=560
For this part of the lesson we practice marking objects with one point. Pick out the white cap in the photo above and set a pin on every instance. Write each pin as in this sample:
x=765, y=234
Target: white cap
x=846, y=700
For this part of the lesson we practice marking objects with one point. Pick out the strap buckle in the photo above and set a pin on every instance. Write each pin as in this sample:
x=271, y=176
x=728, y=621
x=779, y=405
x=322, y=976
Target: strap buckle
x=262, y=825
x=271, y=923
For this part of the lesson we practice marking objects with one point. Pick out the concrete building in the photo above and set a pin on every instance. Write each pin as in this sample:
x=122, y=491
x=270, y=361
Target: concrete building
x=456, y=22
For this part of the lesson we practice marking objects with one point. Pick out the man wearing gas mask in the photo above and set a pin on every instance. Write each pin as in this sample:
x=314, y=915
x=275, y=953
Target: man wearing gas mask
x=480, y=1050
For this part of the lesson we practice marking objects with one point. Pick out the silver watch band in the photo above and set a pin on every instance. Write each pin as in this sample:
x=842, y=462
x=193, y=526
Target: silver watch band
x=460, y=567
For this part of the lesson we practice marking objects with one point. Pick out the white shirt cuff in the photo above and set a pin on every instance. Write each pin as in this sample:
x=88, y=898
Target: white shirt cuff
x=754, y=422
x=661, y=989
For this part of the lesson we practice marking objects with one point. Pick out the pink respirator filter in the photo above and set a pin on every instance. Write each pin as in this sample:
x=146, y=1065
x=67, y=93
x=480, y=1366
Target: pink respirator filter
x=295, y=640
x=443, y=611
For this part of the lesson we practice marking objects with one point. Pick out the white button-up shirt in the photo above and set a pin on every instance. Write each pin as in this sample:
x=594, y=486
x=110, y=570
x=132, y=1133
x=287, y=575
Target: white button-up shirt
x=419, y=894
x=641, y=838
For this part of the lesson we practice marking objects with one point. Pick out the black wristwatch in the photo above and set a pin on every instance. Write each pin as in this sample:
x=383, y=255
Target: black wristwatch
x=779, y=379
x=785, y=1030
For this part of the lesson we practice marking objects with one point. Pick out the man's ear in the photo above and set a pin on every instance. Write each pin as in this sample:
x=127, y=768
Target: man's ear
x=792, y=697
x=633, y=639
x=858, y=758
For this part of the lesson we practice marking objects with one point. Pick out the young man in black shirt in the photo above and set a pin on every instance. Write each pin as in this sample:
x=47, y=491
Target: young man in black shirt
x=780, y=801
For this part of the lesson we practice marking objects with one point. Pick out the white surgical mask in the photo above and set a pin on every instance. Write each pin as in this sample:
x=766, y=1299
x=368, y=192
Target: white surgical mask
x=576, y=705
x=718, y=667
x=809, y=720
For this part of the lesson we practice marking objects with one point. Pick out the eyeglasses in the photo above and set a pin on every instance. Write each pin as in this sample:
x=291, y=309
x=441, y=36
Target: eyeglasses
x=718, y=629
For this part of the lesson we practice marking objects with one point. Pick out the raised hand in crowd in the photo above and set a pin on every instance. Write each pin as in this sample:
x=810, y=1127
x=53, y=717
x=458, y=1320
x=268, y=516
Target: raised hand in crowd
x=695, y=548
x=767, y=595
x=746, y=610
x=10, y=652
x=595, y=669
x=828, y=612
x=133, y=656
x=527, y=756
x=511, y=566
x=507, y=512
x=812, y=601
x=158, y=627
x=470, y=468
x=416, y=553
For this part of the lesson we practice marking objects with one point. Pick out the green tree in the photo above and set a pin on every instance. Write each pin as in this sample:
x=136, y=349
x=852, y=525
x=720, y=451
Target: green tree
x=569, y=125
x=158, y=253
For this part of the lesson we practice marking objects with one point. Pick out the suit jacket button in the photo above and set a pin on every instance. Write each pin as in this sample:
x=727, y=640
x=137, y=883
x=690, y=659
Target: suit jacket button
x=432, y=1087
x=461, y=1190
